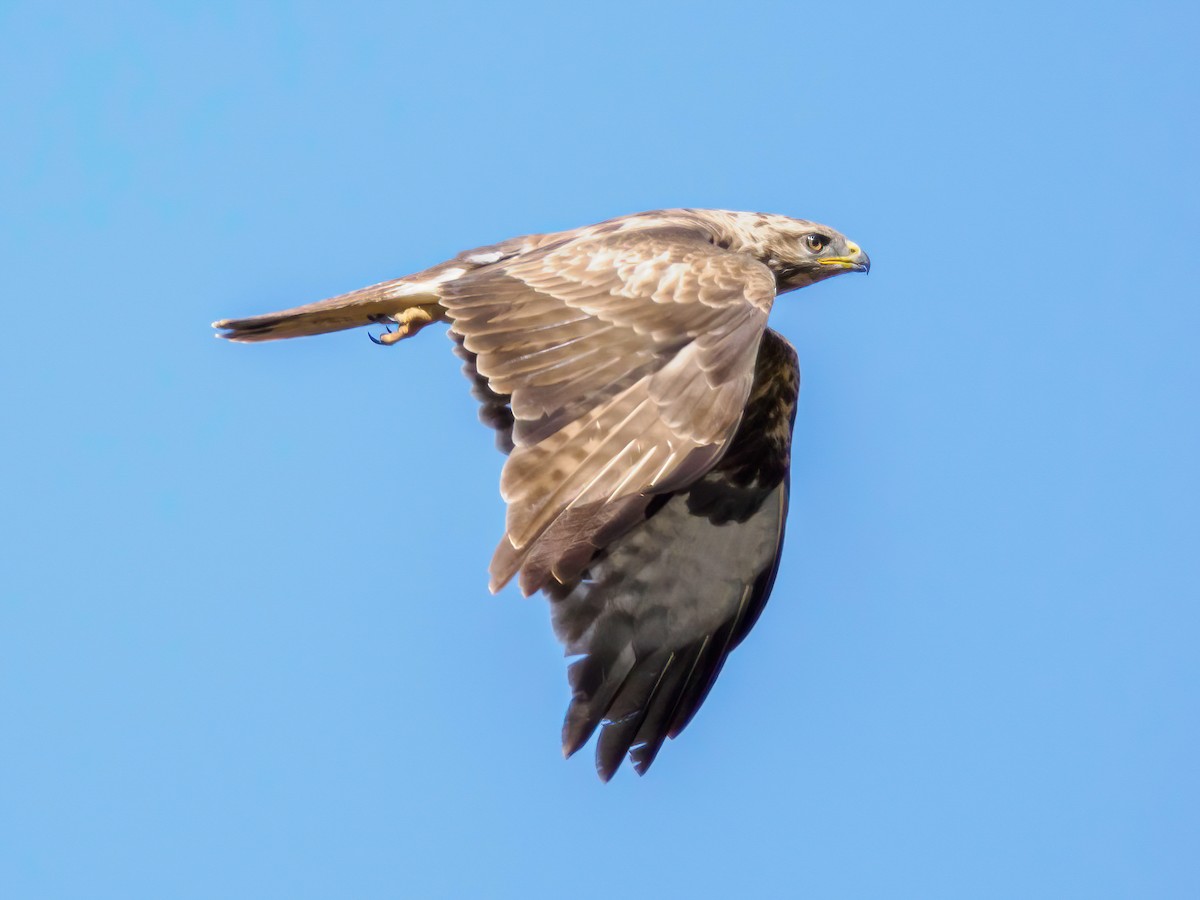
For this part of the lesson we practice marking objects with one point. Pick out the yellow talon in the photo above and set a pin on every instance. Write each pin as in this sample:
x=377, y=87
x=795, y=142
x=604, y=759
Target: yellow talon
x=409, y=322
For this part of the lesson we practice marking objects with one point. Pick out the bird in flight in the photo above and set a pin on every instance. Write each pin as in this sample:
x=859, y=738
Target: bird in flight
x=646, y=410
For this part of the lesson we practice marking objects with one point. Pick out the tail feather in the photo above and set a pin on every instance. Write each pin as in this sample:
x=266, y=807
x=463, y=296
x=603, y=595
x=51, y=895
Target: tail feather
x=411, y=303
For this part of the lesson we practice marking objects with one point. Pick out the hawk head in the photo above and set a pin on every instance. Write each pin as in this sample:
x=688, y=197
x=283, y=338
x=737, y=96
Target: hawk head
x=800, y=252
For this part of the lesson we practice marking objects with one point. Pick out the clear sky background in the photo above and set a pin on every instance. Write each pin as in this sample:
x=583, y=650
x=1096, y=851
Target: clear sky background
x=246, y=646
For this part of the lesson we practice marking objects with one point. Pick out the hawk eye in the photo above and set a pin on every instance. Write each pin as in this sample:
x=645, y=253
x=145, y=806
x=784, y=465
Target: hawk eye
x=816, y=242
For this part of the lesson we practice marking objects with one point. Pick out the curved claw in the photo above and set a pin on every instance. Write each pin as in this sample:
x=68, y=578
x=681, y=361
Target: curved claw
x=387, y=330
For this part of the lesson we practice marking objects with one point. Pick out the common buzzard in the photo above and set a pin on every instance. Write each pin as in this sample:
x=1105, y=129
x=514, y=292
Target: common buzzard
x=646, y=410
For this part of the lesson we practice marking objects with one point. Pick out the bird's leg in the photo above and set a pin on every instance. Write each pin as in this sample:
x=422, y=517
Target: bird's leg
x=408, y=323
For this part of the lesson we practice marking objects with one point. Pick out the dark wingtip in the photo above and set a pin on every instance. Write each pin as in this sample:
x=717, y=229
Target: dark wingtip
x=573, y=739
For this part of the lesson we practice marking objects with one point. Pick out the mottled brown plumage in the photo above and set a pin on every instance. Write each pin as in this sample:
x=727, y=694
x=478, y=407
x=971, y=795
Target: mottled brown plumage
x=649, y=664
x=646, y=410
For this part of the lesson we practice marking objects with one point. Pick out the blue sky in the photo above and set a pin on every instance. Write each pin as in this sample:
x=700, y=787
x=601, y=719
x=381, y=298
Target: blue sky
x=246, y=647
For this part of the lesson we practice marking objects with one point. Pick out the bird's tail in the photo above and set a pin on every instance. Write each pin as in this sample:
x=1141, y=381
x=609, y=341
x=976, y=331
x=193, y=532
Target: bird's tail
x=410, y=304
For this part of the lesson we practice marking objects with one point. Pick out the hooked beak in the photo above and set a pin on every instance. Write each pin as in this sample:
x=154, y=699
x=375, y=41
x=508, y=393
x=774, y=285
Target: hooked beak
x=854, y=260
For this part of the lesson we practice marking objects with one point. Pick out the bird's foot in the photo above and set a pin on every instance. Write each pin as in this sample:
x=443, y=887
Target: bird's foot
x=407, y=323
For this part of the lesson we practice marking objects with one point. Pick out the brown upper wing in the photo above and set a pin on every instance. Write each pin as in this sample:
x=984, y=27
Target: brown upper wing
x=628, y=358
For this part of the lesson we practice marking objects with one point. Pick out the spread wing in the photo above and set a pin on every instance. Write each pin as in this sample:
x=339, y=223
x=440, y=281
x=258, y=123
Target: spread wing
x=627, y=358
x=658, y=610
